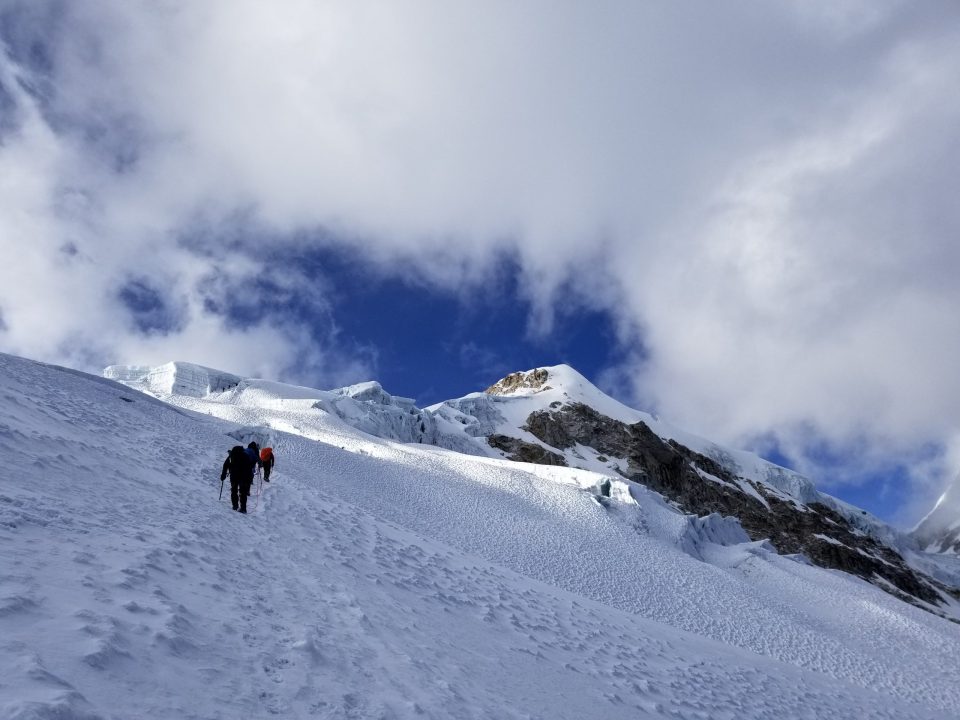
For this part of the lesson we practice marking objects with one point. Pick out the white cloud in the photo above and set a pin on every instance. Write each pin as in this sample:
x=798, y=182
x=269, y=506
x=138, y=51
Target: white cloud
x=761, y=192
x=811, y=294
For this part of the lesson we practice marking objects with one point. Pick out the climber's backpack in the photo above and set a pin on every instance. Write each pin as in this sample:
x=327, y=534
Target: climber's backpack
x=240, y=464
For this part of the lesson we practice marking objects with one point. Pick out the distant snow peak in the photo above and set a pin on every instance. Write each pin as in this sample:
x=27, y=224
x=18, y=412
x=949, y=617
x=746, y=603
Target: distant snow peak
x=939, y=531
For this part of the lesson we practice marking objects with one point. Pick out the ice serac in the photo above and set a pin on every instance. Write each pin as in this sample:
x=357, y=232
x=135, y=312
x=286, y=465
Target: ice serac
x=370, y=408
x=364, y=406
x=939, y=531
x=173, y=378
x=555, y=416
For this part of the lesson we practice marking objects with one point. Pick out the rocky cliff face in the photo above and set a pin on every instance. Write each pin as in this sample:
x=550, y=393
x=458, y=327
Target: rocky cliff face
x=554, y=416
x=700, y=485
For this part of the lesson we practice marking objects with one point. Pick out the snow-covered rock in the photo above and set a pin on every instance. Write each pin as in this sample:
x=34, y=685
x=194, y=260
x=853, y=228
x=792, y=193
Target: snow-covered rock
x=555, y=416
x=506, y=406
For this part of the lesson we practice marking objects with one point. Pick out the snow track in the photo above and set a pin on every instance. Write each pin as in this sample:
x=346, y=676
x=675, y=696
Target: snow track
x=381, y=580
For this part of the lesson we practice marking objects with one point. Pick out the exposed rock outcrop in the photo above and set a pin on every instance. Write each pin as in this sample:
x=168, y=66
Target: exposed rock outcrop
x=533, y=380
x=524, y=451
x=700, y=485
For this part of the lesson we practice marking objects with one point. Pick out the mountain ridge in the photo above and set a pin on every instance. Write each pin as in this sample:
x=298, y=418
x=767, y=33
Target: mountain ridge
x=554, y=416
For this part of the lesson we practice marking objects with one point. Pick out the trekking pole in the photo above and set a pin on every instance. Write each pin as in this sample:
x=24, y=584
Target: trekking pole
x=221, y=490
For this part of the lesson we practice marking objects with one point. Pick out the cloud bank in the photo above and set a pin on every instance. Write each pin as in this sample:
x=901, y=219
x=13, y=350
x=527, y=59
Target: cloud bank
x=761, y=194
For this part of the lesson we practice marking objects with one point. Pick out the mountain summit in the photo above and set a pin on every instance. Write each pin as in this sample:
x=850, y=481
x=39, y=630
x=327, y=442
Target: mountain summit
x=560, y=377
x=521, y=383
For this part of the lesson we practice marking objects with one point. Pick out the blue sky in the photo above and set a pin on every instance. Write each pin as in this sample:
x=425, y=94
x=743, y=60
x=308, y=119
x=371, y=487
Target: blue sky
x=434, y=345
x=739, y=216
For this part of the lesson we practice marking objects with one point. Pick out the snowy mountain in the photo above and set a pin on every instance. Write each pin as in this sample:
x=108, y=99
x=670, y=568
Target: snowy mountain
x=555, y=416
x=376, y=578
x=939, y=531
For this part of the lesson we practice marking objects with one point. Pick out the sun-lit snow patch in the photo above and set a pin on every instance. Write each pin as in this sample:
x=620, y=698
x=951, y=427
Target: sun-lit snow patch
x=872, y=556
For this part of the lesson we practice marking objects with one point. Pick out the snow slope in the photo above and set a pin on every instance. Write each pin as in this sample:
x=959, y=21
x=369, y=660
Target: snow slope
x=376, y=579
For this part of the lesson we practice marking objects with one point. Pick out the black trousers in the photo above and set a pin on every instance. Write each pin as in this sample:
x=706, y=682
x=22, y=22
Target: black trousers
x=239, y=489
x=266, y=472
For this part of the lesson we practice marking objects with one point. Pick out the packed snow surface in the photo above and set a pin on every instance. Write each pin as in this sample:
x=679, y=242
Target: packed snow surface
x=379, y=579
